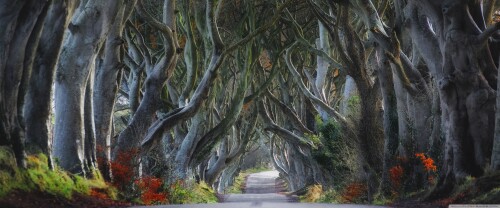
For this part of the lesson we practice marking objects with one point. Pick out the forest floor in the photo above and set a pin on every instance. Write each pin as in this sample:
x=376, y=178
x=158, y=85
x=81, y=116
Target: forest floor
x=259, y=188
x=41, y=200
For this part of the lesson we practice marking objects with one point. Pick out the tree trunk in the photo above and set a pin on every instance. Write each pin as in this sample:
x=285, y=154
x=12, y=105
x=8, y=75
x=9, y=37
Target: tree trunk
x=465, y=82
x=495, y=157
x=369, y=129
x=391, y=125
x=107, y=81
x=129, y=140
x=87, y=32
x=213, y=171
x=9, y=11
x=348, y=92
x=37, y=104
x=89, y=145
x=467, y=95
x=22, y=17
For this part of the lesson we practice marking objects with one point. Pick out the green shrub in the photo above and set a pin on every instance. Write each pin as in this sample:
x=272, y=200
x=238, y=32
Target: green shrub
x=333, y=152
x=237, y=186
x=202, y=193
x=329, y=196
x=178, y=194
x=313, y=194
x=181, y=193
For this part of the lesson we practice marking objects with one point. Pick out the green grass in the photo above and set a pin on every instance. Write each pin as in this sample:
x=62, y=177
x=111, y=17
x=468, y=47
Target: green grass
x=10, y=176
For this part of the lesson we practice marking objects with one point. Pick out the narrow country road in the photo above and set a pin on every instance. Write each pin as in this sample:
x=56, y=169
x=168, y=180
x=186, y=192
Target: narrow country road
x=262, y=190
x=260, y=187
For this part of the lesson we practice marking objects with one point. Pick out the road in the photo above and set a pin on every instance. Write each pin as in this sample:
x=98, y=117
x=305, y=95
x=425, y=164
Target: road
x=260, y=187
x=262, y=191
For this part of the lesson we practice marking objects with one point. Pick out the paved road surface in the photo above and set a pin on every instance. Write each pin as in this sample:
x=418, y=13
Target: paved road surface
x=260, y=187
x=261, y=192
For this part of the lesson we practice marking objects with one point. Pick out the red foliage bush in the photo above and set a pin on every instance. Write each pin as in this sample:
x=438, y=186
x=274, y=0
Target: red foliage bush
x=396, y=176
x=122, y=168
x=150, y=190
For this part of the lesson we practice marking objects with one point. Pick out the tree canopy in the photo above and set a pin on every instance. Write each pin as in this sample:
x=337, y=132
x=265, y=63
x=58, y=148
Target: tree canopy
x=397, y=95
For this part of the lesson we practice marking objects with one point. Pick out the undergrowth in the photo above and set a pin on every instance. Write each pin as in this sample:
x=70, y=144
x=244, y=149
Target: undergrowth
x=191, y=193
x=353, y=192
x=39, y=177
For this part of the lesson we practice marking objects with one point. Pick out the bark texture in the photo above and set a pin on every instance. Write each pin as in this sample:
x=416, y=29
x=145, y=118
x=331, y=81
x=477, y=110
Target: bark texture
x=37, y=108
x=19, y=24
x=107, y=80
x=87, y=32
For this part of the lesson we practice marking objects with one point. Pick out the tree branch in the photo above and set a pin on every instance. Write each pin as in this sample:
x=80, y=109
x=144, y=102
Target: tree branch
x=296, y=77
x=289, y=113
x=483, y=37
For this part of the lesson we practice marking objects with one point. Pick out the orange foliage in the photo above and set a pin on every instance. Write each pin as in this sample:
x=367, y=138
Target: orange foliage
x=122, y=167
x=150, y=192
x=396, y=175
x=354, y=191
x=427, y=162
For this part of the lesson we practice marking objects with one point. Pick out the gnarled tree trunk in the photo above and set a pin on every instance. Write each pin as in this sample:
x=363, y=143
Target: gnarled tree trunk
x=107, y=81
x=18, y=23
x=466, y=82
x=87, y=32
x=37, y=107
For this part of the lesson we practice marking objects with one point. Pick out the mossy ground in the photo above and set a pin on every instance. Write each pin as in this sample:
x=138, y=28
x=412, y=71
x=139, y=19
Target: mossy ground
x=202, y=193
x=40, y=179
x=38, y=185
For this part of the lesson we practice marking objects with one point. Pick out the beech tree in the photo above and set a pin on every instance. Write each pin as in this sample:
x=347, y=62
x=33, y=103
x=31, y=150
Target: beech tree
x=466, y=76
x=87, y=32
x=37, y=106
x=22, y=22
x=183, y=89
